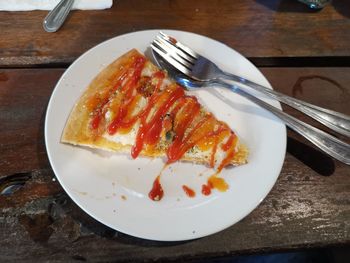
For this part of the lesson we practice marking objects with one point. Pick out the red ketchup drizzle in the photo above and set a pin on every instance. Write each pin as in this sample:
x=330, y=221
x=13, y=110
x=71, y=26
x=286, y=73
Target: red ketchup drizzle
x=162, y=102
x=156, y=193
x=189, y=109
x=206, y=189
x=228, y=144
x=100, y=110
x=229, y=148
x=128, y=97
x=215, y=137
x=212, y=156
x=181, y=145
x=95, y=122
x=189, y=192
x=159, y=75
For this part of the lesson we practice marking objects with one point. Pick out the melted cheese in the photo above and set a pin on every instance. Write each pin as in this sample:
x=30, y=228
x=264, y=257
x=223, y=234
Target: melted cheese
x=124, y=139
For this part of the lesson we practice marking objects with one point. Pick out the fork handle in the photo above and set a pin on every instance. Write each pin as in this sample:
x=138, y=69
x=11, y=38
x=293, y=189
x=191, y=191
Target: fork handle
x=326, y=142
x=334, y=120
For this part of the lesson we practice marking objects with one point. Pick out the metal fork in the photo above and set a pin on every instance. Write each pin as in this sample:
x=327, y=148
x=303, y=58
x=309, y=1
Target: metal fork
x=200, y=68
x=326, y=142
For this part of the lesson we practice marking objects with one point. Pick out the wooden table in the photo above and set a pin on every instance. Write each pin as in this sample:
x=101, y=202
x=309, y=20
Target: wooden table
x=303, y=53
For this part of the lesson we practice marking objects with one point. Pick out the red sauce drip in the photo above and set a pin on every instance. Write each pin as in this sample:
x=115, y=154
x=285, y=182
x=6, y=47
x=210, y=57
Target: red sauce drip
x=189, y=107
x=189, y=192
x=95, y=122
x=225, y=147
x=206, y=189
x=149, y=130
x=156, y=193
x=128, y=97
x=114, y=125
x=229, y=148
x=98, y=112
x=172, y=40
x=159, y=75
x=212, y=156
x=181, y=145
x=102, y=99
x=214, y=182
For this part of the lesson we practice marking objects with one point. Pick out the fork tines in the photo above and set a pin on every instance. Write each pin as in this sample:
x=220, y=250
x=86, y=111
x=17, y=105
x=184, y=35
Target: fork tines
x=177, y=54
x=176, y=43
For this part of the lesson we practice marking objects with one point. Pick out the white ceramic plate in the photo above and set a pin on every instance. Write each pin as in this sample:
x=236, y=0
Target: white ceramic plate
x=114, y=188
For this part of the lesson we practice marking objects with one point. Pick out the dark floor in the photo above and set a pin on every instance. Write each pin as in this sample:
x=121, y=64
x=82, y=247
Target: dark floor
x=329, y=255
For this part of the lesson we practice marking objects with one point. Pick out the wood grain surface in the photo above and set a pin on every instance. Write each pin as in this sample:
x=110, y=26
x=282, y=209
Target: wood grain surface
x=258, y=29
x=308, y=207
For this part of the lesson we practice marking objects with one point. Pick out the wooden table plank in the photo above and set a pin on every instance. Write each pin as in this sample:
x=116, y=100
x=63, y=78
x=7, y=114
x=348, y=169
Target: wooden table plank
x=257, y=29
x=308, y=206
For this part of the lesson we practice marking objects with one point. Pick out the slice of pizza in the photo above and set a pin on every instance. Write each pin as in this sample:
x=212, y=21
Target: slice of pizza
x=134, y=107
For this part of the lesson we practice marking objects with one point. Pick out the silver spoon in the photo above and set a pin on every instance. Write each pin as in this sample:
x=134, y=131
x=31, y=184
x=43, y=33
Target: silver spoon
x=56, y=17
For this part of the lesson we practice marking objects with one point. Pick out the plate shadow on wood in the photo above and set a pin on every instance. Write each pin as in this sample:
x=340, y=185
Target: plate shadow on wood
x=64, y=206
x=311, y=157
x=342, y=7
